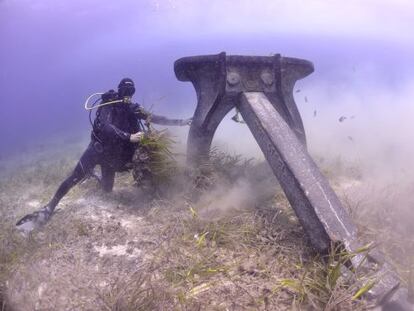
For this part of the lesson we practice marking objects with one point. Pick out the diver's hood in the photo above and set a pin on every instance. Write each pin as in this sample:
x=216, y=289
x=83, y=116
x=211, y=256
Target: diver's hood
x=126, y=88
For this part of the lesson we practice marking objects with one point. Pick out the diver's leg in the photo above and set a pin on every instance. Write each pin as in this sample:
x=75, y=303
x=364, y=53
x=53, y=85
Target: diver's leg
x=108, y=178
x=84, y=167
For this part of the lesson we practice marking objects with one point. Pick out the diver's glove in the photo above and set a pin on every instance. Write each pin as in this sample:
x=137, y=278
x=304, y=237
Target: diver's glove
x=34, y=220
x=136, y=137
x=186, y=122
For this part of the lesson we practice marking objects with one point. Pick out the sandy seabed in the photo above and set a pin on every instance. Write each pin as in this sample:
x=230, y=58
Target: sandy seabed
x=235, y=246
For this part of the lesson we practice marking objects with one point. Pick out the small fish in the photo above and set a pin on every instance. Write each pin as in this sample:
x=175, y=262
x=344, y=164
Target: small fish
x=236, y=118
x=350, y=138
x=342, y=119
x=314, y=113
x=298, y=90
x=306, y=99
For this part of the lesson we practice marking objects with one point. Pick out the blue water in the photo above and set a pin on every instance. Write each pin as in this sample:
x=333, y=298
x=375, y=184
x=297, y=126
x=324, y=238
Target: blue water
x=55, y=53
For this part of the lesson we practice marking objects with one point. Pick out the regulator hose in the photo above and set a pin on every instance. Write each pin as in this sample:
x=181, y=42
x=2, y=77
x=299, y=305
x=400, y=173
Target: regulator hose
x=87, y=107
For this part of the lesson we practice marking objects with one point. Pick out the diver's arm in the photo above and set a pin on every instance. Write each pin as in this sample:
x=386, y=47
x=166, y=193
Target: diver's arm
x=113, y=130
x=161, y=120
x=156, y=119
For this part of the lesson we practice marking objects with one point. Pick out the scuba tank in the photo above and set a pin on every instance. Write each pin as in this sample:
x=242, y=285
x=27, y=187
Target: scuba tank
x=107, y=98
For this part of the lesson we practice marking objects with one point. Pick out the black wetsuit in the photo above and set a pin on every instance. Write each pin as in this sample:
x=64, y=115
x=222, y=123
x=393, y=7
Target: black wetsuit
x=110, y=145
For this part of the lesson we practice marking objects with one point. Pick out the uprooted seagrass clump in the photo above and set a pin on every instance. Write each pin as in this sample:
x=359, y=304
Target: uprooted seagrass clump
x=153, y=163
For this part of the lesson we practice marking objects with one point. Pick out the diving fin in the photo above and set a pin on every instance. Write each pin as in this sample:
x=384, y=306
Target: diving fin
x=34, y=220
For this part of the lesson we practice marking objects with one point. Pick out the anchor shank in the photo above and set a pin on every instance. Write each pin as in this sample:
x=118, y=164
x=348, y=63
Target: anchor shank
x=313, y=200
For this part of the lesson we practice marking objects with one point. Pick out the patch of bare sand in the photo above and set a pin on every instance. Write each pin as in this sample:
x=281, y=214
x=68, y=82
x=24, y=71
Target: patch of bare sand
x=84, y=248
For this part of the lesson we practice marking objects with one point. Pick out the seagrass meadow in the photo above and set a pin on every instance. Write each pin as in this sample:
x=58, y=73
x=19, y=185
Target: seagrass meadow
x=219, y=238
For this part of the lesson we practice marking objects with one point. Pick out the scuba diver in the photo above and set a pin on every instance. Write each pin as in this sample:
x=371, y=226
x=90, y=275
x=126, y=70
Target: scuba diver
x=117, y=129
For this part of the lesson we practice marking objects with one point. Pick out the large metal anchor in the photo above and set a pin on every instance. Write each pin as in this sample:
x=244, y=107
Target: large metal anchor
x=261, y=88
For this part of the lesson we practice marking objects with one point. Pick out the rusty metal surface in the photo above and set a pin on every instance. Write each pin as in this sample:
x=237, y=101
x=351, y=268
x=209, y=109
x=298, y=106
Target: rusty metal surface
x=261, y=88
